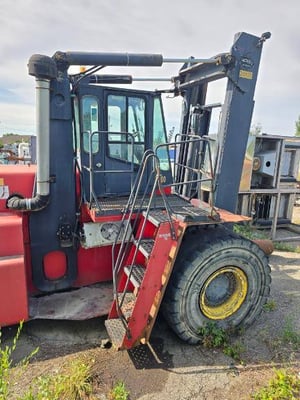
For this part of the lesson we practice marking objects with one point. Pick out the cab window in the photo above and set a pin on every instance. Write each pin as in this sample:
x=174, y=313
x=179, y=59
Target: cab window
x=90, y=123
x=126, y=114
x=159, y=136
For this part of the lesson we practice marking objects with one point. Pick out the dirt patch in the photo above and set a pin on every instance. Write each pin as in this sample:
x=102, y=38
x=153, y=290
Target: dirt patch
x=170, y=368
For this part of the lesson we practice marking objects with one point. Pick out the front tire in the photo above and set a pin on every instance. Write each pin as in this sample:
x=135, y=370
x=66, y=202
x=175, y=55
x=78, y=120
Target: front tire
x=219, y=277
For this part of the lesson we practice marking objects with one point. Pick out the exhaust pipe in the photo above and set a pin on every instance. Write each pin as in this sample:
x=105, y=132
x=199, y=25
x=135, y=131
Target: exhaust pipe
x=44, y=69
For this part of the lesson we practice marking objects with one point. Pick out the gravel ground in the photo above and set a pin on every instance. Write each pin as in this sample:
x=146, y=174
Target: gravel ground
x=169, y=368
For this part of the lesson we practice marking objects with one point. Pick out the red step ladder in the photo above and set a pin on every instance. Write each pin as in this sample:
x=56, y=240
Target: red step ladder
x=143, y=279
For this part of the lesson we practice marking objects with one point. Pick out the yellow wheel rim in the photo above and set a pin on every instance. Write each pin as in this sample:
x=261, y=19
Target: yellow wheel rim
x=223, y=293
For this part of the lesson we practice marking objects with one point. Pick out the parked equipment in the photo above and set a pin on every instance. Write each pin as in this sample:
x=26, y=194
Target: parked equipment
x=104, y=204
x=269, y=183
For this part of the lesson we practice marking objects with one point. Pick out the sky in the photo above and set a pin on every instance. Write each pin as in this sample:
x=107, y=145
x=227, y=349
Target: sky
x=173, y=28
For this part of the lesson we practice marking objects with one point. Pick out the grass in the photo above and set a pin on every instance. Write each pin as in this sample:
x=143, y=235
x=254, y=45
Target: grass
x=72, y=382
x=282, y=246
x=284, y=343
x=6, y=362
x=290, y=335
x=251, y=233
x=270, y=305
x=285, y=385
x=119, y=392
x=234, y=351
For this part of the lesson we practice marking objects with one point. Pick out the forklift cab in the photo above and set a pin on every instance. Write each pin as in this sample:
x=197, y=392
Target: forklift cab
x=114, y=128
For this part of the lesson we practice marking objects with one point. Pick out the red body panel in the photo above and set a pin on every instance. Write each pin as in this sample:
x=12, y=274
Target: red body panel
x=13, y=285
x=11, y=241
x=18, y=179
x=13, y=291
x=94, y=265
x=14, y=277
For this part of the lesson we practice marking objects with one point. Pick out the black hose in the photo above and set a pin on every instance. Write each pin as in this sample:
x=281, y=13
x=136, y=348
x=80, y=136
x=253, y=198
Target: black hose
x=18, y=203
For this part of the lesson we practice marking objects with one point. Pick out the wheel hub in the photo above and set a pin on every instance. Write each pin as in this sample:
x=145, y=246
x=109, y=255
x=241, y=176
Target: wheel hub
x=223, y=293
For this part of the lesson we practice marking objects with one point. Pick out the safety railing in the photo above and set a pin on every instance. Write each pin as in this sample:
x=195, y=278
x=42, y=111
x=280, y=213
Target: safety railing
x=190, y=169
x=140, y=200
x=94, y=168
x=192, y=165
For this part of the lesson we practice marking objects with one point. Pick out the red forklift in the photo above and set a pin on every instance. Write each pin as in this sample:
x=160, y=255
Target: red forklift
x=106, y=224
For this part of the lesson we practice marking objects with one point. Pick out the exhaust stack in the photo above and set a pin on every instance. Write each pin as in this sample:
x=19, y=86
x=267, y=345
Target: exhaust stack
x=44, y=69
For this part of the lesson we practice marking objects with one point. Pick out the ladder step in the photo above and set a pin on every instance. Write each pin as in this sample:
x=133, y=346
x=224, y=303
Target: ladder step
x=156, y=217
x=128, y=302
x=191, y=213
x=136, y=273
x=116, y=331
x=145, y=246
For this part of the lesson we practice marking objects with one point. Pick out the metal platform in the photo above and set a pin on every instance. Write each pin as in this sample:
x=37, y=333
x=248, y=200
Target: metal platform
x=179, y=207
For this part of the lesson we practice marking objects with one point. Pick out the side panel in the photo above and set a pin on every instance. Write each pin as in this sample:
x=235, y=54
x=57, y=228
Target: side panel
x=51, y=230
x=13, y=283
x=94, y=265
x=13, y=291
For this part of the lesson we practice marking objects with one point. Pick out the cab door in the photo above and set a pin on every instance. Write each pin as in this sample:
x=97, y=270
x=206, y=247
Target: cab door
x=92, y=142
x=134, y=122
x=113, y=127
x=126, y=141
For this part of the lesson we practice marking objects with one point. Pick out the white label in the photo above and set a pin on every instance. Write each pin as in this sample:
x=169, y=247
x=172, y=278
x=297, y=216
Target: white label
x=4, y=192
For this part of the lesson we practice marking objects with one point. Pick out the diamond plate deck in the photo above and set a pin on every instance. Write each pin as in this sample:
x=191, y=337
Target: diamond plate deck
x=145, y=246
x=137, y=274
x=179, y=207
x=127, y=302
x=116, y=331
x=157, y=217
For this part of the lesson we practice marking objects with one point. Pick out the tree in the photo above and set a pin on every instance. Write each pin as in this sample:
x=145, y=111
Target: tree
x=256, y=129
x=297, y=127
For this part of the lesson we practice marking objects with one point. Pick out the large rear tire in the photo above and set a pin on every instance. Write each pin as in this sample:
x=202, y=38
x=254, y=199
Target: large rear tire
x=219, y=277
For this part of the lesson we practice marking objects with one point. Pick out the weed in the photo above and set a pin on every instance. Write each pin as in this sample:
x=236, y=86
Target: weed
x=284, y=343
x=234, y=350
x=270, y=305
x=6, y=362
x=285, y=385
x=281, y=246
x=73, y=383
x=251, y=233
x=119, y=392
x=213, y=336
x=290, y=335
